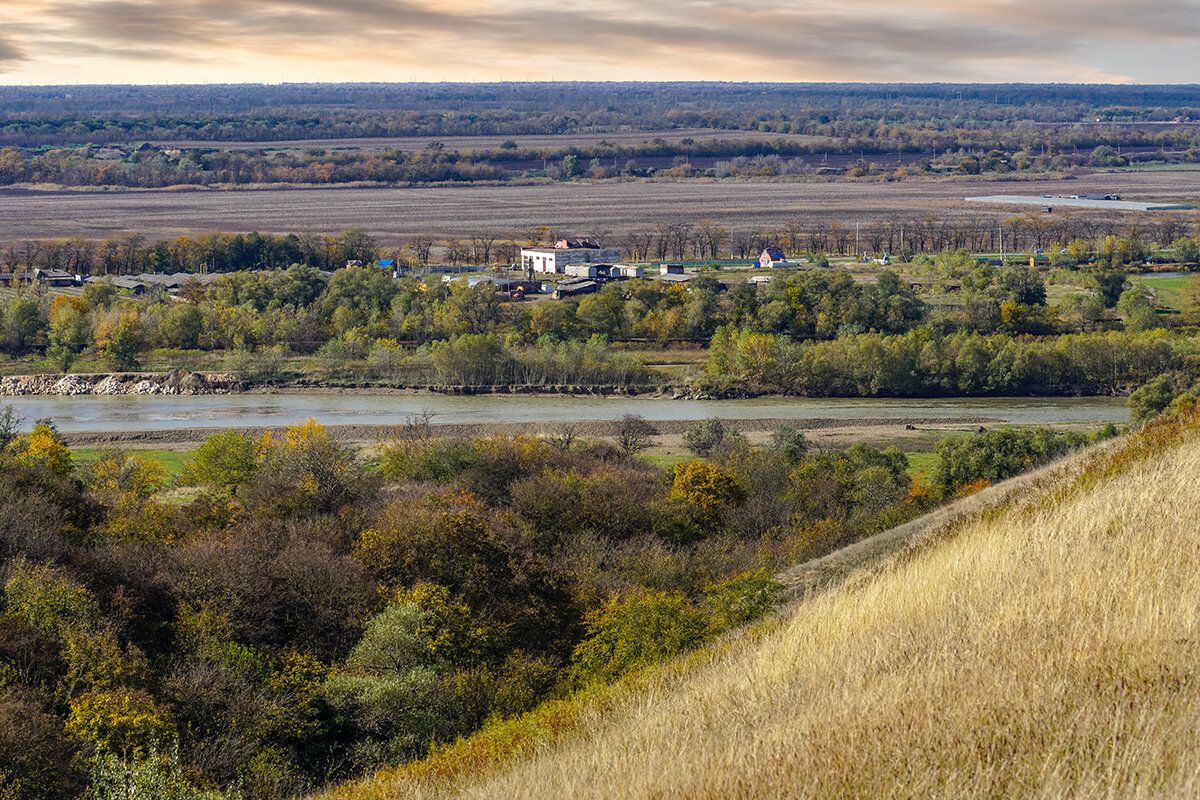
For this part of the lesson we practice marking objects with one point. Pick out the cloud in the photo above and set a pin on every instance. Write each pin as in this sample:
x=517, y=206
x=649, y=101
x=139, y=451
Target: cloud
x=771, y=40
x=10, y=51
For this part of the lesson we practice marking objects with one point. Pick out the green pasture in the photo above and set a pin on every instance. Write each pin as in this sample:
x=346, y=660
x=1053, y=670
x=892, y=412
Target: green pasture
x=172, y=461
x=1171, y=291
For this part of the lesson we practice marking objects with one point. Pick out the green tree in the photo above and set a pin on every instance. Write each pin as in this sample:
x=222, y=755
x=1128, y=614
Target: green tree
x=1152, y=399
x=634, y=630
x=226, y=460
x=392, y=692
x=570, y=166
x=705, y=436
x=70, y=335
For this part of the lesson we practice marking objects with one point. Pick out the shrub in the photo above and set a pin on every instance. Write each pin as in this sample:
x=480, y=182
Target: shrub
x=740, y=599
x=635, y=434
x=707, y=487
x=994, y=455
x=705, y=436
x=226, y=460
x=789, y=442
x=1152, y=399
x=635, y=630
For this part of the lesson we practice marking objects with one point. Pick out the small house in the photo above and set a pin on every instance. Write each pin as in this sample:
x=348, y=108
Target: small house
x=670, y=269
x=772, y=257
x=54, y=277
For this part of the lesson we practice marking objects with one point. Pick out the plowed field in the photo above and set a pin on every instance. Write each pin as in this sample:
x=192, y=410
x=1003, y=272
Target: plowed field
x=393, y=214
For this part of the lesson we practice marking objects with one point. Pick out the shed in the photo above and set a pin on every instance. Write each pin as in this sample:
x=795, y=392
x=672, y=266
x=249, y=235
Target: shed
x=573, y=288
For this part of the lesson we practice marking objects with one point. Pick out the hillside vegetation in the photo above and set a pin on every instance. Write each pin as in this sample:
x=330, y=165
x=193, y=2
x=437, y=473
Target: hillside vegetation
x=1046, y=647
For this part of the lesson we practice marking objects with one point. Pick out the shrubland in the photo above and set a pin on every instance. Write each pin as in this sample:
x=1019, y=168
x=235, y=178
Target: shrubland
x=1034, y=644
x=282, y=615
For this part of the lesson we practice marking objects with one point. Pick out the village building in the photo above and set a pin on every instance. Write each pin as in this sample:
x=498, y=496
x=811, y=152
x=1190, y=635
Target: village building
x=773, y=257
x=565, y=252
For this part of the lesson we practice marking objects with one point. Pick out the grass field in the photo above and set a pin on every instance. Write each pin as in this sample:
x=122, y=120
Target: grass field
x=1046, y=649
x=172, y=461
x=614, y=207
x=1170, y=291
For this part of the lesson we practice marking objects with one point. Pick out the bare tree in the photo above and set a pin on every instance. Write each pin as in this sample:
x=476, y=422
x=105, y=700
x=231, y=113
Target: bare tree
x=635, y=434
x=420, y=247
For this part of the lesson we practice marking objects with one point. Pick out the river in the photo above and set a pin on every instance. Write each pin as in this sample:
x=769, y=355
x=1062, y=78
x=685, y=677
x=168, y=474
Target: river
x=159, y=412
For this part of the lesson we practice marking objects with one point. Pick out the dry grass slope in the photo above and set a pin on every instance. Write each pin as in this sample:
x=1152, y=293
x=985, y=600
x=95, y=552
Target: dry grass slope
x=1045, y=649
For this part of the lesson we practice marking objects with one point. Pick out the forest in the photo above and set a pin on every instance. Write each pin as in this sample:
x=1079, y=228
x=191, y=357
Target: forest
x=97, y=135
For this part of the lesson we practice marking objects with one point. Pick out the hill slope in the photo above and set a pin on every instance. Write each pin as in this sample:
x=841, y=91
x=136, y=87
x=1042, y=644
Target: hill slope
x=1045, y=648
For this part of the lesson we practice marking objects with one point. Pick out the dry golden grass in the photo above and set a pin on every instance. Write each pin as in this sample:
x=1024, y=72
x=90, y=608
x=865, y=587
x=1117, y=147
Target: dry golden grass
x=1045, y=649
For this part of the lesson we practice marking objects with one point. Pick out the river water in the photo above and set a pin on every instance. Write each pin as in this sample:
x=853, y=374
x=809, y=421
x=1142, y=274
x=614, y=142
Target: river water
x=139, y=413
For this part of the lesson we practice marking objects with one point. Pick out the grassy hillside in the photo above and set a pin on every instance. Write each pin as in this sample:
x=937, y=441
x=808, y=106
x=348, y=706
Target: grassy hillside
x=1046, y=646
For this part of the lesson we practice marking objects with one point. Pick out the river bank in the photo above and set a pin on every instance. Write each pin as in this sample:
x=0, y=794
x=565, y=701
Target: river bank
x=822, y=431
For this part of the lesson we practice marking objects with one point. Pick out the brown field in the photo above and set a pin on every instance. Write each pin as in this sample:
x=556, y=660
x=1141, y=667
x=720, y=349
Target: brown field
x=394, y=214
x=410, y=144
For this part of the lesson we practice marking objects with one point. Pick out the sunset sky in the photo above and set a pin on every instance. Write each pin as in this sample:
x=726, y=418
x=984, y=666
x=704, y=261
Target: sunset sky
x=207, y=41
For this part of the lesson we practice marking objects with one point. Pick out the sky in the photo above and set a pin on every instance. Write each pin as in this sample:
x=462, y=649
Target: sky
x=272, y=41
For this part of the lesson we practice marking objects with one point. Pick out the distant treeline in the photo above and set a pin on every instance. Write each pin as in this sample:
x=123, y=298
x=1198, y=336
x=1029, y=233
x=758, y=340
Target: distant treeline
x=77, y=114
x=892, y=153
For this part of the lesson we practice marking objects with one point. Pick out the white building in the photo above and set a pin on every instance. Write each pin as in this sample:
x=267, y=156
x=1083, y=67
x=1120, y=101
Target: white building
x=555, y=259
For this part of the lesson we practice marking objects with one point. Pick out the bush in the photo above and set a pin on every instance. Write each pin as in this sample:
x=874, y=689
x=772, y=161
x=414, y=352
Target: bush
x=789, y=442
x=1152, y=399
x=994, y=455
x=635, y=630
x=705, y=436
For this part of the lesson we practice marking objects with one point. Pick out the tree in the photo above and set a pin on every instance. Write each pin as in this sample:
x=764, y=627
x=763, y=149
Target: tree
x=118, y=337
x=635, y=434
x=43, y=448
x=634, y=630
x=392, y=691
x=707, y=487
x=703, y=437
x=1152, y=399
x=69, y=334
x=226, y=460
x=570, y=166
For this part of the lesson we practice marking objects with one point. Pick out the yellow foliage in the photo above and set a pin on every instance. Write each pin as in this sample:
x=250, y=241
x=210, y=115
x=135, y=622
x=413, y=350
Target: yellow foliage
x=43, y=448
x=124, y=722
x=120, y=473
x=63, y=301
x=136, y=520
x=706, y=486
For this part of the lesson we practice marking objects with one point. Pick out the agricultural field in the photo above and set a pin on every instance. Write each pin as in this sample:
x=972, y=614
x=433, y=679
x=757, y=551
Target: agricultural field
x=393, y=215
